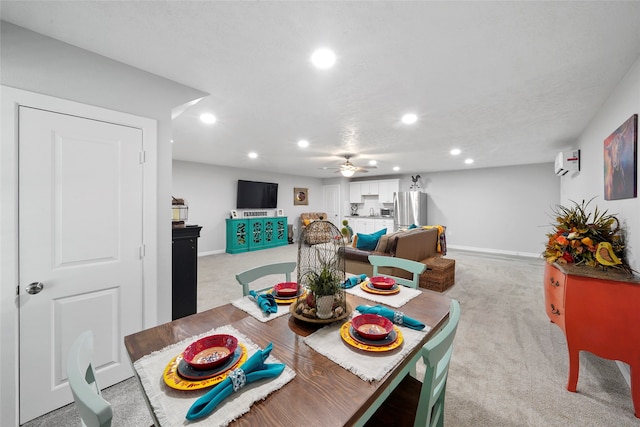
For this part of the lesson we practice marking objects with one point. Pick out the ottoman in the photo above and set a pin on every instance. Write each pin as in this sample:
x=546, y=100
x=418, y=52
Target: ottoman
x=439, y=275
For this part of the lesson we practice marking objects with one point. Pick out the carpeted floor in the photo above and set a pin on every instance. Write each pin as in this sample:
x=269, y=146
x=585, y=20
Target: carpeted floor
x=509, y=365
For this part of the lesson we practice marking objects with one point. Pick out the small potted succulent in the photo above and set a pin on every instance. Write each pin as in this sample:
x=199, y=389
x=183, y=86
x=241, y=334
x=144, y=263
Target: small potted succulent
x=346, y=230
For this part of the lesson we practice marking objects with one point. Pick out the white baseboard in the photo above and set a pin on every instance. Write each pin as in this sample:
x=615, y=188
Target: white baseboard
x=494, y=251
x=219, y=251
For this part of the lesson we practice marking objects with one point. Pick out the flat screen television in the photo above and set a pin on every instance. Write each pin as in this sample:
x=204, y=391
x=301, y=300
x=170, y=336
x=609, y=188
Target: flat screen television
x=257, y=195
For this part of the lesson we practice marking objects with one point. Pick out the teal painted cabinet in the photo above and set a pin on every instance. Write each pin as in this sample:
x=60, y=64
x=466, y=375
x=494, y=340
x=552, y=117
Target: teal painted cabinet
x=256, y=233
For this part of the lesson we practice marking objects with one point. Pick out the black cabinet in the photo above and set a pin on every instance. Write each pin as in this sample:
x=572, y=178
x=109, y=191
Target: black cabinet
x=185, y=271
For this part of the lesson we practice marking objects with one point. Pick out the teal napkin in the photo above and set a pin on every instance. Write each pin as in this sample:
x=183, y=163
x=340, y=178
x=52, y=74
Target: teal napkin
x=352, y=281
x=253, y=369
x=267, y=302
x=396, y=317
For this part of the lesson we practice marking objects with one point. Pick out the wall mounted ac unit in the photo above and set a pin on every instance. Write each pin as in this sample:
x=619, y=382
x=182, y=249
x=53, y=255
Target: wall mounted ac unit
x=567, y=161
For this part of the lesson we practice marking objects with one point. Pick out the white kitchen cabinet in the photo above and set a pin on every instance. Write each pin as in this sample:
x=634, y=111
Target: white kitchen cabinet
x=370, y=225
x=380, y=223
x=368, y=188
x=383, y=189
x=386, y=190
x=355, y=196
x=359, y=225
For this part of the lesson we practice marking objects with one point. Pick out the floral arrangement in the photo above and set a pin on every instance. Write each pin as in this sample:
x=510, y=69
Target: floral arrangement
x=580, y=237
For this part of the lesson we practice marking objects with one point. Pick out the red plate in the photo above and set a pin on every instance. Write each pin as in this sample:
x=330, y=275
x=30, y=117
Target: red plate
x=286, y=289
x=372, y=326
x=380, y=282
x=211, y=351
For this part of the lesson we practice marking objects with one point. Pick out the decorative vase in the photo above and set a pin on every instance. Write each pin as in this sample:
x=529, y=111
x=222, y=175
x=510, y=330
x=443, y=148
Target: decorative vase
x=324, y=306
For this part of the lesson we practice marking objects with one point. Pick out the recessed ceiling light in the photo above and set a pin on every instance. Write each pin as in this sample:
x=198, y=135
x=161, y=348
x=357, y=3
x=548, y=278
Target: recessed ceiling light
x=468, y=161
x=409, y=119
x=208, y=118
x=172, y=141
x=455, y=151
x=253, y=155
x=396, y=168
x=323, y=58
x=303, y=143
x=373, y=162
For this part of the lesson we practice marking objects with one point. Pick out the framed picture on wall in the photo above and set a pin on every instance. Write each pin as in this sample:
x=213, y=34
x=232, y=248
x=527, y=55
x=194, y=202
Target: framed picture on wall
x=300, y=196
x=620, y=165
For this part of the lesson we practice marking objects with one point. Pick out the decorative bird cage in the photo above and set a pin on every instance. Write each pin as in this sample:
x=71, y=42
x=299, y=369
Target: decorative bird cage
x=321, y=274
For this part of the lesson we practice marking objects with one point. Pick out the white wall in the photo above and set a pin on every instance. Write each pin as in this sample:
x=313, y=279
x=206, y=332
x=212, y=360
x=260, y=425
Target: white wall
x=500, y=210
x=210, y=193
x=35, y=63
x=494, y=209
x=623, y=102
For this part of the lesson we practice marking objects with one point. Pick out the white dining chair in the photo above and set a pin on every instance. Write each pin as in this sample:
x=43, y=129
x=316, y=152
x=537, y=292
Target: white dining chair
x=246, y=277
x=414, y=267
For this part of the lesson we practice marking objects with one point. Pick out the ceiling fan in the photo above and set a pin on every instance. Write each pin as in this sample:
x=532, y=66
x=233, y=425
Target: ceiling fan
x=347, y=169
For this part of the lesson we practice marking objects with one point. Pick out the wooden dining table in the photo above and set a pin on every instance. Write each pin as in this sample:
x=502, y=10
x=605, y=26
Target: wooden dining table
x=322, y=392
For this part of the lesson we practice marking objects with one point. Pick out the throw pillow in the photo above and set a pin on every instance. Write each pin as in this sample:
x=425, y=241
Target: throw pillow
x=412, y=226
x=355, y=241
x=383, y=242
x=369, y=242
x=393, y=241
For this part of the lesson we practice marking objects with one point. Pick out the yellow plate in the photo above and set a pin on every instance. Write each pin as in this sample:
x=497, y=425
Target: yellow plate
x=372, y=290
x=174, y=380
x=286, y=300
x=344, y=333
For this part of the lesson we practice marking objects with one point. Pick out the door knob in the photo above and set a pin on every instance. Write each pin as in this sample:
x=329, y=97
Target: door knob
x=34, y=288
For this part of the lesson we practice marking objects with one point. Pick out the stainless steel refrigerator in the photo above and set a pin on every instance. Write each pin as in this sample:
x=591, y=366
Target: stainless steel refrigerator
x=409, y=207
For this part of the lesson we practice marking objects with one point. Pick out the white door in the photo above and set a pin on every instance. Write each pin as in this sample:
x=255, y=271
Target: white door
x=331, y=201
x=80, y=214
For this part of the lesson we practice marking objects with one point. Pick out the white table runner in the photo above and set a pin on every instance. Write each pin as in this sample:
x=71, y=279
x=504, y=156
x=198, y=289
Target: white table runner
x=170, y=406
x=250, y=306
x=395, y=300
x=369, y=366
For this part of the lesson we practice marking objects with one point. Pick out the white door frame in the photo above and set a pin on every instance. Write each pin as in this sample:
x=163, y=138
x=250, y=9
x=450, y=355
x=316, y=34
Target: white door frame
x=10, y=98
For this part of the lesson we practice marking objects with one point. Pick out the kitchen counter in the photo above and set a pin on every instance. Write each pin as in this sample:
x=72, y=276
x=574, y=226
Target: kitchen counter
x=370, y=216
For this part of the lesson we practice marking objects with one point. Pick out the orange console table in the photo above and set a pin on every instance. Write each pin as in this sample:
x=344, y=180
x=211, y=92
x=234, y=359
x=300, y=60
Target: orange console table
x=599, y=312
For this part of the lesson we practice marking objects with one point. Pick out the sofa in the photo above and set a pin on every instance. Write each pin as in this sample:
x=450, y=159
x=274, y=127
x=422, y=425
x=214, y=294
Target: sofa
x=426, y=245
x=320, y=233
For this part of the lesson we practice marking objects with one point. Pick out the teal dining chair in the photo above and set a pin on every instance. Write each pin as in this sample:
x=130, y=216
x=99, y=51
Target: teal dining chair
x=421, y=404
x=94, y=410
x=246, y=277
x=414, y=267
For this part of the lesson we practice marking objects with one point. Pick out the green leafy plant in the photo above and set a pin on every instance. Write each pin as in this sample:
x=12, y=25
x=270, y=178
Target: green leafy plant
x=590, y=238
x=323, y=282
x=326, y=275
x=346, y=230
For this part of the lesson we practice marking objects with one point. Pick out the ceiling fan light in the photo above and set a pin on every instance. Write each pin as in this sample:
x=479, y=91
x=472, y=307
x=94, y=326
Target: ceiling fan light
x=347, y=172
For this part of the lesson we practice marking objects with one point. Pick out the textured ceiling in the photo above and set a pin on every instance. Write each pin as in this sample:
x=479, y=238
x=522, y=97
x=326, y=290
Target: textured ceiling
x=506, y=82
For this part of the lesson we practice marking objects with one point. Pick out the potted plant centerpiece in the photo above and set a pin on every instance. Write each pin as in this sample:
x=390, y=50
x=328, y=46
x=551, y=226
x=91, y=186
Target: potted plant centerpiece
x=321, y=273
x=324, y=286
x=584, y=238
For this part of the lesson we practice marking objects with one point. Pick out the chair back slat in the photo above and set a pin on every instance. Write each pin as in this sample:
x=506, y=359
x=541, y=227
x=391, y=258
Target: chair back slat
x=247, y=277
x=414, y=267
